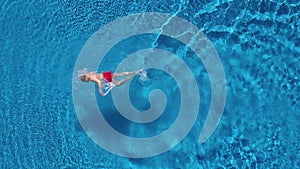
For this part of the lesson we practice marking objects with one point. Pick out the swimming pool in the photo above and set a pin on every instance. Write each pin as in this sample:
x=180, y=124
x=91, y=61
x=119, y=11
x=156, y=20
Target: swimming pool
x=257, y=42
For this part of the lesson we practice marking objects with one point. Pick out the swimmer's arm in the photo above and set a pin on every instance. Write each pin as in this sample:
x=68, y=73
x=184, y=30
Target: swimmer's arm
x=99, y=86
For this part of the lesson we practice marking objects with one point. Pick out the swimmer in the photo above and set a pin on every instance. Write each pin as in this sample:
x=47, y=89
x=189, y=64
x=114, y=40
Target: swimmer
x=109, y=77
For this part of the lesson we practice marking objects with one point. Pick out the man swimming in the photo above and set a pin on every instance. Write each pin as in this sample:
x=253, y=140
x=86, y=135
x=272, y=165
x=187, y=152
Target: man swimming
x=109, y=77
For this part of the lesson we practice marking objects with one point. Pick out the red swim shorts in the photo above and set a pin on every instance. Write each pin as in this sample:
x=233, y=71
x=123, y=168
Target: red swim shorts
x=107, y=76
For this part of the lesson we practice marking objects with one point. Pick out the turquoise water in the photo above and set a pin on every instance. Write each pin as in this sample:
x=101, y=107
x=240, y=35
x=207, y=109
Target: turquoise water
x=257, y=41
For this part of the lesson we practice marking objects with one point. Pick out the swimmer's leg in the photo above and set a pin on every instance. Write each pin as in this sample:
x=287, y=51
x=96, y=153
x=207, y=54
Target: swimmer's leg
x=123, y=74
x=126, y=73
x=119, y=83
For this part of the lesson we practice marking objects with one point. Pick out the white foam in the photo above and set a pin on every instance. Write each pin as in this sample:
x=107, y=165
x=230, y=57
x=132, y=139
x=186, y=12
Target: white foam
x=143, y=75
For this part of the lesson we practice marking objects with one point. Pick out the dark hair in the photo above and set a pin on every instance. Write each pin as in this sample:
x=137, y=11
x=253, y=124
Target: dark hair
x=84, y=78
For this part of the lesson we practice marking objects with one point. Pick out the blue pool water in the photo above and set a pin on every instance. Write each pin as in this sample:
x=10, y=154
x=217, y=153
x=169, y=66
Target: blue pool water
x=259, y=46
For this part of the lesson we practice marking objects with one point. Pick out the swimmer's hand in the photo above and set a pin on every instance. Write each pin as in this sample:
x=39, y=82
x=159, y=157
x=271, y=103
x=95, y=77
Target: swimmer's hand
x=101, y=93
x=100, y=88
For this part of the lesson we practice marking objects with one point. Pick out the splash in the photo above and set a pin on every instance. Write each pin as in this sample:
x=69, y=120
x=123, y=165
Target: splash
x=82, y=72
x=143, y=75
x=76, y=76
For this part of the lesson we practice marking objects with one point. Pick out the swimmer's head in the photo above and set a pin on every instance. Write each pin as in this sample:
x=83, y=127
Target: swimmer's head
x=84, y=78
